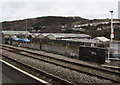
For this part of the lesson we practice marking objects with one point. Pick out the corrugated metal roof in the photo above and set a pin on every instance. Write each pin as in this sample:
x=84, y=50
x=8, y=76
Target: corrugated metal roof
x=15, y=32
x=103, y=39
x=66, y=35
x=82, y=40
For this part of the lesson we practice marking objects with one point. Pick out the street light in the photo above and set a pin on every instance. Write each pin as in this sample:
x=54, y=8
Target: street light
x=112, y=30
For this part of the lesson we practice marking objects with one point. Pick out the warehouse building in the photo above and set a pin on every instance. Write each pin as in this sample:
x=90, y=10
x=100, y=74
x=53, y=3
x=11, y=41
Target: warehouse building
x=60, y=36
x=15, y=32
x=101, y=39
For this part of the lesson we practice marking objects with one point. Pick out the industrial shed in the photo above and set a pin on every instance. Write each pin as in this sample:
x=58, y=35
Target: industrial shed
x=101, y=39
x=59, y=36
x=15, y=32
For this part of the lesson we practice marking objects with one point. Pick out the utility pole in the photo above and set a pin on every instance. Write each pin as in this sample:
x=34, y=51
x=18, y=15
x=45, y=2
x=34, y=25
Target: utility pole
x=26, y=24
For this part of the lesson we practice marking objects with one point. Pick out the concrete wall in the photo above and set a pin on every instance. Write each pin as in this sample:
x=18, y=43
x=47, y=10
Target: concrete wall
x=66, y=48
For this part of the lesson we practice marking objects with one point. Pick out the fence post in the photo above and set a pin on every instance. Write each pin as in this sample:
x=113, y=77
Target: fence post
x=108, y=59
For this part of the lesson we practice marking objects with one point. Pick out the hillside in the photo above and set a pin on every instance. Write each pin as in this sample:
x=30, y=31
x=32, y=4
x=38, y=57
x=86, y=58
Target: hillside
x=42, y=24
x=57, y=24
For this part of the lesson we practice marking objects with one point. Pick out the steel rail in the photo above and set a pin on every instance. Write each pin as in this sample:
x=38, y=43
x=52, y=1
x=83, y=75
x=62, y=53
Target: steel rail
x=48, y=75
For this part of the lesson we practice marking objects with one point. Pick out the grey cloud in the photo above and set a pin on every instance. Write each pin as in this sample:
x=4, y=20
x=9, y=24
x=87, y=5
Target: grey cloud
x=22, y=10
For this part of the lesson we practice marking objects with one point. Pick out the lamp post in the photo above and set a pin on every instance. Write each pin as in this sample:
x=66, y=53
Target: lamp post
x=112, y=30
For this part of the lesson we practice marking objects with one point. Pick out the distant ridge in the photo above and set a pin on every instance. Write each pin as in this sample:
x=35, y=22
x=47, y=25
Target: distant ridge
x=37, y=23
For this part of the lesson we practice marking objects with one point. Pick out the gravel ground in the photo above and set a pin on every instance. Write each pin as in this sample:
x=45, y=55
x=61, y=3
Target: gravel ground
x=74, y=66
x=64, y=73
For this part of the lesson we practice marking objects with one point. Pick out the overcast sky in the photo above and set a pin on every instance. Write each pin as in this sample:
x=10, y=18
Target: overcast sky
x=90, y=9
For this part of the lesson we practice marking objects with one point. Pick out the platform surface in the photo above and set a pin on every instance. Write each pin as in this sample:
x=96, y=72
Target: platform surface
x=112, y=64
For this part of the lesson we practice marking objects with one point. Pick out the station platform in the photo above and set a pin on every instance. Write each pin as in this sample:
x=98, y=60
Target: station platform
x=114, y=64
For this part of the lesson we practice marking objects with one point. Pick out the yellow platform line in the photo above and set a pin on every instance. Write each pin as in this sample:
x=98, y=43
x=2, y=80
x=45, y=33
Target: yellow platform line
x=111, y=66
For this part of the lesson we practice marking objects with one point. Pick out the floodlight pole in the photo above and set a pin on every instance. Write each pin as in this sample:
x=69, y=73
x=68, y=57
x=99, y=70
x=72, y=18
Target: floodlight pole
x=112, y=36
x=112, y=30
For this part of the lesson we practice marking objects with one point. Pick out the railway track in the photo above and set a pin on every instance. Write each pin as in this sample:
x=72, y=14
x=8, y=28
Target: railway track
x=102, y=73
